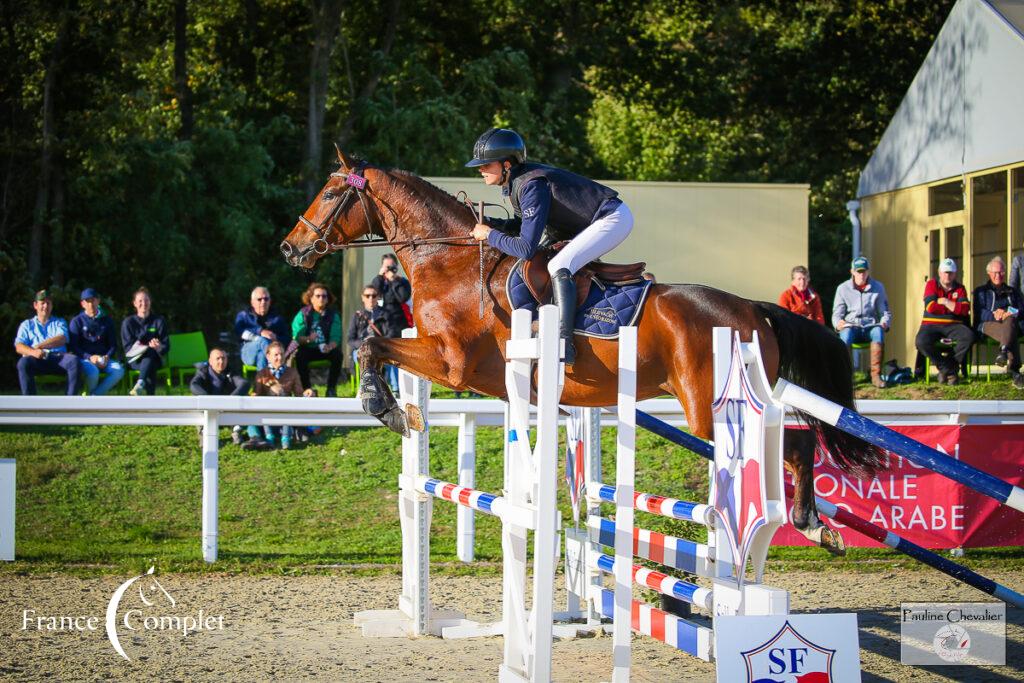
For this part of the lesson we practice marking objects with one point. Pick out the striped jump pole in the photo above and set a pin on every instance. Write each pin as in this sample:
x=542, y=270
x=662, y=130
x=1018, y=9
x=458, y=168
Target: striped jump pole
x=843, y=516
x=672, y=508
x=861, y=427
x=462, y=495
x=672, y=630
x=677, y=553
x=662, y=583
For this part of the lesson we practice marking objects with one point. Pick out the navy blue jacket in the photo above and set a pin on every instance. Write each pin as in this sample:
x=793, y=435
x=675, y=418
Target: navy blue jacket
x=135, y=329
x=987, y=299
x=548, y=198
x=248, y=321
x=92, y=336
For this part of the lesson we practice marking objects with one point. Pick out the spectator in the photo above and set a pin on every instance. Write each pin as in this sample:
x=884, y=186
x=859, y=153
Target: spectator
x=394, y=293
x=366, y=323
x=800, y=298
x=212, y=378
x=94, y=341
x=997, y=314
x=1017, y=274
x=42, y=343
x=861, y=314
x=316, y=329
x=946, y=320
x=259, y=325
x=144, y=337
x=277, y=379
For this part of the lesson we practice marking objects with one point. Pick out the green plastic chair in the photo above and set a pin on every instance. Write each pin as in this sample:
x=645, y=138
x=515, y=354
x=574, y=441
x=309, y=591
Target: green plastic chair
x=979, y=345
x=187, y=349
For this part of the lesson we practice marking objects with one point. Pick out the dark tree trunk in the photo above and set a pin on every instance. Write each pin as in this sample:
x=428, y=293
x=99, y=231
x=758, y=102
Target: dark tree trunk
x=57, y=226
x=326, y=22
x=41, y=214
x=374, y=79
x=249, y=66
x=182, y=90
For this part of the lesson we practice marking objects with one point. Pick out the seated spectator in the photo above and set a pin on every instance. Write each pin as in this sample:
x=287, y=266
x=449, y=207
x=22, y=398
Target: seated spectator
x=94, y=342
x=277, y=379
x=800, y=298
x=316, y=330
x=212, y=378
x=42, y=343
x=259, y=325
x=997, y=309
x=861, y=314
x=946, y=320
x=144, y=337
x=366, y=323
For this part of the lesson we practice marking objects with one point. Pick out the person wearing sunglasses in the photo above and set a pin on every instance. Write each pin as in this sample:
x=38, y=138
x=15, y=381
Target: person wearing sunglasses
x=369, y=321
x=259, y=325
x=317, y=332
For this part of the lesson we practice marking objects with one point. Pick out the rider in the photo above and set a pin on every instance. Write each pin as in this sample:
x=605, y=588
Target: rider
x=569, y=206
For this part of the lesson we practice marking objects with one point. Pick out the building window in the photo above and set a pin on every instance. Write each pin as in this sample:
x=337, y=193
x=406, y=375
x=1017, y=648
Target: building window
x=1017, y=211
x=945, y=198
x=988, y=222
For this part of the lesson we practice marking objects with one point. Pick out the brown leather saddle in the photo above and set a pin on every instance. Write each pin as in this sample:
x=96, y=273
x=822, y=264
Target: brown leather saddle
x=538, y=281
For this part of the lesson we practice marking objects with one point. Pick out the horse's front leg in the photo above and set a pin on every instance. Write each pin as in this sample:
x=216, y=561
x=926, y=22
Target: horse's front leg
x=421, y=356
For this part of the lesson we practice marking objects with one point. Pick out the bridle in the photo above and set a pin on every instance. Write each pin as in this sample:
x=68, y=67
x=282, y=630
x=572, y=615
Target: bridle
x=357, y=184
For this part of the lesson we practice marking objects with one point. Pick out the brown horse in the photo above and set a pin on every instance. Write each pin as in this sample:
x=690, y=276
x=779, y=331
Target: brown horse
x=456, y=347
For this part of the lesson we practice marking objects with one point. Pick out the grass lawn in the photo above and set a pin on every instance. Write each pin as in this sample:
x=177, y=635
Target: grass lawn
x=118, y=499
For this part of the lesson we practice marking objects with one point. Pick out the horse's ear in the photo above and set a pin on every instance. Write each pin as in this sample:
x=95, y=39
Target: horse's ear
x=347, y=163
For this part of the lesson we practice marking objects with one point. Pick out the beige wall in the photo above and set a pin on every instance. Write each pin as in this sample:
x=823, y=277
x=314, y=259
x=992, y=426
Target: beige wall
x=740, y=237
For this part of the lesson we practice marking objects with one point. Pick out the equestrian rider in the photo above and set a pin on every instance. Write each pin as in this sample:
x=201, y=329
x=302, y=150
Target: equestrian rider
x=544, y=198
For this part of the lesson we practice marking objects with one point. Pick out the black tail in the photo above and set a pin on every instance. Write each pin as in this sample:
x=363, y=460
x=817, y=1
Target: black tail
x=814, y=357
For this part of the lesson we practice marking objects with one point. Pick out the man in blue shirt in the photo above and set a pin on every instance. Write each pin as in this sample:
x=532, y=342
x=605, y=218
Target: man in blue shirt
x=94, y=342
x=551, y=201
x=42, y=343
x=258, y=326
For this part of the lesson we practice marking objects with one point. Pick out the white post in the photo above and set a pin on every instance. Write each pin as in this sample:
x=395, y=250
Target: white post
x=592, y=472
x=7, y=493
x=549, y=390
x=466, y=523
x=211, y=461
x=625, y=477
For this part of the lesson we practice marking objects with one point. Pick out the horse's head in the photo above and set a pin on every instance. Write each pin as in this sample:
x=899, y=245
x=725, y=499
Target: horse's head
x=339, y=215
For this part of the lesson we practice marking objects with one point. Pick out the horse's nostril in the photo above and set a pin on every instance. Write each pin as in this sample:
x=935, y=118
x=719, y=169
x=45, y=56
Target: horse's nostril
x=286, y=249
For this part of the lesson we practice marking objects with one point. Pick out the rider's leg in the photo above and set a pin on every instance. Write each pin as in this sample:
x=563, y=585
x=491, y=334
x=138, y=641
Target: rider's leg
x=595, y=241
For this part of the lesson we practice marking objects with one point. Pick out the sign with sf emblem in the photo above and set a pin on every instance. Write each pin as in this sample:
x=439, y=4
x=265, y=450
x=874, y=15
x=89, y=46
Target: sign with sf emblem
x=796, y=648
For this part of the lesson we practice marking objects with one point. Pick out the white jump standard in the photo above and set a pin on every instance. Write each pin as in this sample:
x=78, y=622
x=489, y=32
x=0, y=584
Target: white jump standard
x=528, y=504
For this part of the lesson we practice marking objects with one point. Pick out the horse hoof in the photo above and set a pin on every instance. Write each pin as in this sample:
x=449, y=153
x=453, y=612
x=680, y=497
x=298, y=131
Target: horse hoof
x=396, y=421
x=414, y=418
x=833, y=542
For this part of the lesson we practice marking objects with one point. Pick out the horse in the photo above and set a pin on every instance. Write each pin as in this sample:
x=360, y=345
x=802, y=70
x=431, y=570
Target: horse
x=460, y=346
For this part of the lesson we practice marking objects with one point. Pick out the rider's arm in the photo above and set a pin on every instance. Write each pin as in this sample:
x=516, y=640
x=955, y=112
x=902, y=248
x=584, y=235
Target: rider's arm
x=535, y=202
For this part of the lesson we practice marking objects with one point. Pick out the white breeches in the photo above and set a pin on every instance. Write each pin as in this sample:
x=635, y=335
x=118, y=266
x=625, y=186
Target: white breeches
x=598, y=239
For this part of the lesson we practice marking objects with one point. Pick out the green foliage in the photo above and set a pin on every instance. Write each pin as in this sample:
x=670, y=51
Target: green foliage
x=681, y=90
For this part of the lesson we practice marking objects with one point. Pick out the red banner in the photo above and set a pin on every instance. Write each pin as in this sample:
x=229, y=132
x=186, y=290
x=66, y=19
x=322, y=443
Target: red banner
x=925, y=507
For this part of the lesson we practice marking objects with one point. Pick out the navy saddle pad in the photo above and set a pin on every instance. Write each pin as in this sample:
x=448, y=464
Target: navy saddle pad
x=607, y=308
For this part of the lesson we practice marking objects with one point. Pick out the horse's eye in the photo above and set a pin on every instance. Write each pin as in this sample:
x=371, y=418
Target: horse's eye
x=328, y=196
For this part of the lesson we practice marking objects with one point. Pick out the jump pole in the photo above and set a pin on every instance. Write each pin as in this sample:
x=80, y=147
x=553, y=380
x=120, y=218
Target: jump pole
x=847, y=518
x=861, y=427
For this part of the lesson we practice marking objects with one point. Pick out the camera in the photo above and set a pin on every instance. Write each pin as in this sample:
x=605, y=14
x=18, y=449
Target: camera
x=393, y=269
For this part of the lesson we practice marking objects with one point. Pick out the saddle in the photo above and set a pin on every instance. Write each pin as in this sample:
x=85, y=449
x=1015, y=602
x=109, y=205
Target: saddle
x=538, y=280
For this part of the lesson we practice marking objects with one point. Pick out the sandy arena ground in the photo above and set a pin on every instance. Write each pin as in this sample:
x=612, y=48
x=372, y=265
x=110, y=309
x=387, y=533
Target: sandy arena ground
x=282, y=629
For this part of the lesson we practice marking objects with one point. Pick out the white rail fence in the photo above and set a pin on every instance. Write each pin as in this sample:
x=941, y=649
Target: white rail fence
x=213, y=412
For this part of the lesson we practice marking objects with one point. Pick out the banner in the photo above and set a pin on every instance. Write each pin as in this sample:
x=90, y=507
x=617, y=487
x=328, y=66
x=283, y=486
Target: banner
x=925, y=507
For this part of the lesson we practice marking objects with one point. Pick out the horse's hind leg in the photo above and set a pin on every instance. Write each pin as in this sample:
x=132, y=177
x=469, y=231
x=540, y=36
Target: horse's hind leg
x=798, y=446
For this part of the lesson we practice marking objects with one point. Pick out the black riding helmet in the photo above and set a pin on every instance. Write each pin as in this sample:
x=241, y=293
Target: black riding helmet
x=498, y=144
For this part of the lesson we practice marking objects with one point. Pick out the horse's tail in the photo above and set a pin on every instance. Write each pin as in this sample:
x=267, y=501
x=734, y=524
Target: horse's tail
x=814, y=357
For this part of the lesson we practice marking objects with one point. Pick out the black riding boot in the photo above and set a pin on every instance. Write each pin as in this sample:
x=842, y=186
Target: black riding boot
x=563, y=291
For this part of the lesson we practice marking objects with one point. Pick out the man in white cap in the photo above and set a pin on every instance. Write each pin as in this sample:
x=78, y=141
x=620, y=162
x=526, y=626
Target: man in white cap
x=946, y=321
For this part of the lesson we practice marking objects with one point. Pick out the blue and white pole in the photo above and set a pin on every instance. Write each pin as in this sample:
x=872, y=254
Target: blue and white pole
x=861, y=427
